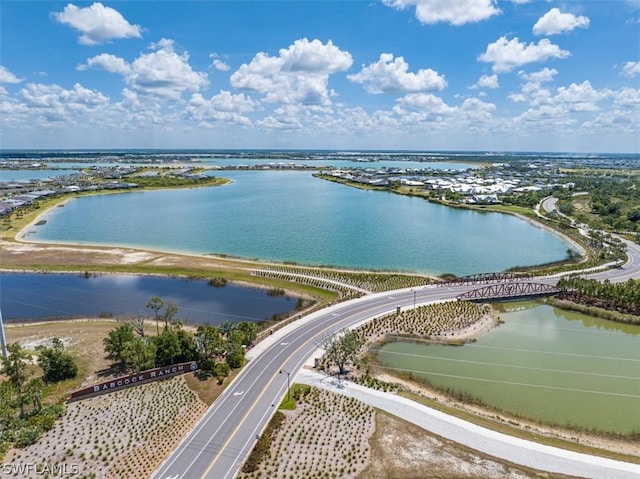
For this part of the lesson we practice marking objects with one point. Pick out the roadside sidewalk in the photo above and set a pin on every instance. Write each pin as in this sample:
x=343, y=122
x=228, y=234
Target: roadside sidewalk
x=490, y=442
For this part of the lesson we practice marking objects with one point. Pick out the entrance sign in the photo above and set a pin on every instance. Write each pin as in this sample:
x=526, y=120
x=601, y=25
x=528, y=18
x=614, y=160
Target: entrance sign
x=142, y=377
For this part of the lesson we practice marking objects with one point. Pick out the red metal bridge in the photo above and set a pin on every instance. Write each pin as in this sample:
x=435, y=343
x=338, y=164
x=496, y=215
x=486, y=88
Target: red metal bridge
x=486, y=278
x=508, y=291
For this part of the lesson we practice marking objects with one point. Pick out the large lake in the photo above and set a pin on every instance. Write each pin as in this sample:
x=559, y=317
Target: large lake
x=291, y=216
x=544, y=363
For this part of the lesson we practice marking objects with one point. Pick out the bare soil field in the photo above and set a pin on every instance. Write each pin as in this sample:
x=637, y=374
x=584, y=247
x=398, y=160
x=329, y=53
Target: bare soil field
x=82, y=338
x=401, y=450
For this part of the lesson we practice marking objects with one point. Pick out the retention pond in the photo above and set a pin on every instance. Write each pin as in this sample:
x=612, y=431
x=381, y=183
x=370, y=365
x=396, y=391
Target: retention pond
x=542, y=363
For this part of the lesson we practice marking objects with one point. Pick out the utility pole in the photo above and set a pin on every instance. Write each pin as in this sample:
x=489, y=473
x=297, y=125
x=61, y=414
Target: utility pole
x=3, y=339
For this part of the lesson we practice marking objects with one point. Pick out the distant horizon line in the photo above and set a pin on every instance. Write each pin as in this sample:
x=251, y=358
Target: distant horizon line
x=308, y=150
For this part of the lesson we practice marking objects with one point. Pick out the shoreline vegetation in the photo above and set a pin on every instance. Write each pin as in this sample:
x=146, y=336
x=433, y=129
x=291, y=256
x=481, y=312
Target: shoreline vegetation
x=19, y=254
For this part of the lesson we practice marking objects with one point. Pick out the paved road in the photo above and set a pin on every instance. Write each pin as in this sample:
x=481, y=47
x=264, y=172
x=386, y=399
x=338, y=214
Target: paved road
x=549, y=204
x=219, y=444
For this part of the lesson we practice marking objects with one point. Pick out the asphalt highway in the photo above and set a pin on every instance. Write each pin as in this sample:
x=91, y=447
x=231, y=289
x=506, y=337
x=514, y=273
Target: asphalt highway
x=221, y=441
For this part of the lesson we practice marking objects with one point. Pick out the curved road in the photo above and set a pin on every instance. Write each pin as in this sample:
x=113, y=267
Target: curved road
x=219, y=444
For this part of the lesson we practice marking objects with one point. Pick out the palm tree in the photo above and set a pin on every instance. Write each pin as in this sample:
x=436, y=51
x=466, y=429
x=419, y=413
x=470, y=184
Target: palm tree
x=156, y=305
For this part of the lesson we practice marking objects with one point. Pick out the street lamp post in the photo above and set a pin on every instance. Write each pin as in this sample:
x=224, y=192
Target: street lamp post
x=288, y=386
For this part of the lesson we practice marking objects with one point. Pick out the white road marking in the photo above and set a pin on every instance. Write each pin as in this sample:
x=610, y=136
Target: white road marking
x=240, y=393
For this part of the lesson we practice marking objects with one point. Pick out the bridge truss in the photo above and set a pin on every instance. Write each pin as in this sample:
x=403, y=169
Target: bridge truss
x=508, y=290
x=486, y=278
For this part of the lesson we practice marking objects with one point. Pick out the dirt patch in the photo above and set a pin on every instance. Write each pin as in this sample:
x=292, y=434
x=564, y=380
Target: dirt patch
x=330, y=436
x=401, y=450
x=83, y=339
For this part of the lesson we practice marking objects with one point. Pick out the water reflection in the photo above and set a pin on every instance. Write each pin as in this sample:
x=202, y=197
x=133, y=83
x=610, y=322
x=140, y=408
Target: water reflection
x=46, y=296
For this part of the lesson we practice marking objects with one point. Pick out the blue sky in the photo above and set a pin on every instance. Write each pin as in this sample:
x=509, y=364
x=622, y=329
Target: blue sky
x=500, y=75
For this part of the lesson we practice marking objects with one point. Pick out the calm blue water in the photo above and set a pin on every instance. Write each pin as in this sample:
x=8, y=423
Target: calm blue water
x=47, y=296
x=291, y=216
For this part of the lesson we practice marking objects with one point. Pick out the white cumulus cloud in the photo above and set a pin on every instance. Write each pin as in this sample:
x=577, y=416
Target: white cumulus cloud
x=299, y=74
x=107, y=62
x=580, y=97
x=487, y=81
x=554, y=22
x=224, y=107
x=97, y=23
x=631, y=69
x=7, y=77
x=162, y=72
x=53, y=104
x=455, y=12
x=628, y=98
x=315, y=57
x=219, y=64
x=544, y=75
x=532, y=90
x=392, y=75
x=509, y=54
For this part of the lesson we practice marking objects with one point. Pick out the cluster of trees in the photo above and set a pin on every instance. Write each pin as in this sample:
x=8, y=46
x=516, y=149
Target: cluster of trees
x=218, y=349
x=622, y=297
x=23, y=418
x=614, y=202
x=527, y=199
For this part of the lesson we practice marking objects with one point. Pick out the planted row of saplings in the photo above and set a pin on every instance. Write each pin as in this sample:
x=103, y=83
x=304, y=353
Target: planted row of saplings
x=433, y=321
x=375, y=282
x=107, y=436
x=327, y=436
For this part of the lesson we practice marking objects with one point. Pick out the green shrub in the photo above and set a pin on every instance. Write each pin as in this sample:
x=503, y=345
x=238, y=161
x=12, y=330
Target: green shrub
x=27, y=436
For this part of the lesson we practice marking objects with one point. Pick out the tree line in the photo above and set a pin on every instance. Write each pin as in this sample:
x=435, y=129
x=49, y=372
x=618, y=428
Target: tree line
x=621, y=297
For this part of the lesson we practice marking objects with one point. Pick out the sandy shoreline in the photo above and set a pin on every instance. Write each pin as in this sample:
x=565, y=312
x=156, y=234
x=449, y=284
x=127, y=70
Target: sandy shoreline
x=569, y=241
x=132, y=254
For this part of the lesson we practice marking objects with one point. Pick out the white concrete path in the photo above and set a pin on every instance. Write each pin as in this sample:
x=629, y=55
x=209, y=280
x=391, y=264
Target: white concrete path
x=518, y=451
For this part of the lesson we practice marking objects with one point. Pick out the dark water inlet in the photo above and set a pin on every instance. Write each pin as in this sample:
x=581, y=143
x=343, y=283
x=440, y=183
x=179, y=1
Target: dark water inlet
x=32, y=296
